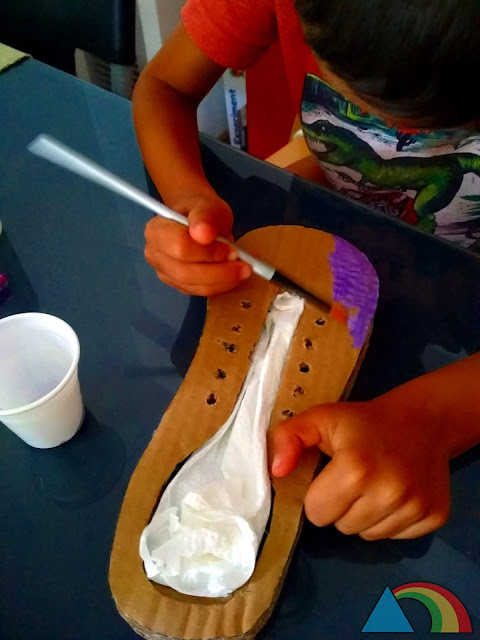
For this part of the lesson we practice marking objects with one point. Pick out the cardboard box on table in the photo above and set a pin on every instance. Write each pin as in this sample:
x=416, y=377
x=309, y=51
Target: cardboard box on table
x=322, y=363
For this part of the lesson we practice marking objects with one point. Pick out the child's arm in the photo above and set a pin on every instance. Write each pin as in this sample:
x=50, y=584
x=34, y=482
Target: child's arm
x=165, y=104
x=389, y=473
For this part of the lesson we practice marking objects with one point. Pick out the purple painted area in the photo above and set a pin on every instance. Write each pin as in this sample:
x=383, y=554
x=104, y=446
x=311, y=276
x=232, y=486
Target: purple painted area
x=355, y=286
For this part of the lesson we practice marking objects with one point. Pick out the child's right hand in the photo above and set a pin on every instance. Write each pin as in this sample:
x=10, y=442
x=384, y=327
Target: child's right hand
x=189, y=258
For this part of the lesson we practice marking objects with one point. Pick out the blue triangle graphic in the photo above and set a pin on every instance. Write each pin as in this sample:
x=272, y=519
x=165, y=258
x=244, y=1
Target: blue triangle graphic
x=387, y=616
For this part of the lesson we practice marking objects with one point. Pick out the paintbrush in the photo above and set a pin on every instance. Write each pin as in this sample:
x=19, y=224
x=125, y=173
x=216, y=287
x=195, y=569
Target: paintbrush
x=50, y=149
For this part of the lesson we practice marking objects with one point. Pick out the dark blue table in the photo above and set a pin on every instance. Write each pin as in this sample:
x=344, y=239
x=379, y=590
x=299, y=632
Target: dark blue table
x=76, y=251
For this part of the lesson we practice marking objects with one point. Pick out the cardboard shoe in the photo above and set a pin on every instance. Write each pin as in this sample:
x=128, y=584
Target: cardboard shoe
x=324, y=356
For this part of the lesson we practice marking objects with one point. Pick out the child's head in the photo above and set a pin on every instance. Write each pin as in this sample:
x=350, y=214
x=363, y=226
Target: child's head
x=412, y=61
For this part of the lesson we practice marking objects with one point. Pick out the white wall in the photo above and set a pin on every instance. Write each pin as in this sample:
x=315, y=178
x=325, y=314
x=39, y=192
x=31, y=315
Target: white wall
x=155, y=21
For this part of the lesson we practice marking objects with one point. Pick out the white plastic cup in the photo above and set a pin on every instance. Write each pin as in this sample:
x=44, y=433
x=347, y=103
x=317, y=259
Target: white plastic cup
x=40, y=397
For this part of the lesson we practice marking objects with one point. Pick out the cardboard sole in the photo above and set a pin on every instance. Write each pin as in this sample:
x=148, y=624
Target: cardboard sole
x=322, y=363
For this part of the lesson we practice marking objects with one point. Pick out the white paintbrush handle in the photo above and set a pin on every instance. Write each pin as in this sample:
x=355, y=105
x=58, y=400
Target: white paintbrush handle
x=50, y=149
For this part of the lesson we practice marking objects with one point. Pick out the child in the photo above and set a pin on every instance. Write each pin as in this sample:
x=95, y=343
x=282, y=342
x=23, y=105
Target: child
x=389, y=109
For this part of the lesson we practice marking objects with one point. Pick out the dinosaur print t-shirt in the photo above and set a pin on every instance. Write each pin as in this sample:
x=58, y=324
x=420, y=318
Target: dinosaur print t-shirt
x=429, y=179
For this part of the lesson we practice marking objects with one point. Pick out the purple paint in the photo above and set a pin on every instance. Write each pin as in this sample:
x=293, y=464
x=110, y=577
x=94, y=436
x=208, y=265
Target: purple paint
x=355, y=286
x=3, y=282
x=4, y=289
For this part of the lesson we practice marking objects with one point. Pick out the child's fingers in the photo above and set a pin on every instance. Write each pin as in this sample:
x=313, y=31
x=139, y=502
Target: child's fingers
x=205, y=279
x=367, y=512
x=388, y=509
x=409, y=515
x=289, y=438
x=333, y=492
x=207, y=222
x=433, y=522
x=339, y=495
x=168, y=238
x=211, y=273
x=198, y=290
x=287, y=449
x=310, y=428
x=420, y=514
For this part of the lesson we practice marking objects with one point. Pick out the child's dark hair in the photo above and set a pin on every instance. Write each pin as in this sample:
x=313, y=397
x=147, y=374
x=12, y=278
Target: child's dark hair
x=414, y=59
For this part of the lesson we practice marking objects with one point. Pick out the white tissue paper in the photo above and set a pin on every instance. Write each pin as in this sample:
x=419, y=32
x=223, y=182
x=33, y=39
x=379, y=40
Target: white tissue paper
x=204, y=536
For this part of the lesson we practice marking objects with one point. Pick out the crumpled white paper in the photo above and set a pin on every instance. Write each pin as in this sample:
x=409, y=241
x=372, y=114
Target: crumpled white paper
x=204, y=536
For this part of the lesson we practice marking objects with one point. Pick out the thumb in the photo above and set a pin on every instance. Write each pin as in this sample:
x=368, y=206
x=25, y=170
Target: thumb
x=207, y=221
x=310, y=428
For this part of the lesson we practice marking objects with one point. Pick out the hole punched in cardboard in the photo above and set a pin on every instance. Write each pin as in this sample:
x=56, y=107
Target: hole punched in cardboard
x=211, y=399
x=231, y=347
x=158, y=612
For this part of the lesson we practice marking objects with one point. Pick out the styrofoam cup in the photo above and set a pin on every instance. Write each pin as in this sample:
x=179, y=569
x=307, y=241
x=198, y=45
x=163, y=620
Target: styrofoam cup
x=40, y=397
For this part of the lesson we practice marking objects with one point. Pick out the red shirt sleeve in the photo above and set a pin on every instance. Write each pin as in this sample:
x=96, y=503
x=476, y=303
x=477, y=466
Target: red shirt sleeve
x=232, y=33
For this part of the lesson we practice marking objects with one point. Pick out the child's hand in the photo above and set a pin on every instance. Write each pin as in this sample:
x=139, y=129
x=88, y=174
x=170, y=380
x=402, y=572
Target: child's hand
x=189, y=258
x=389, y=473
